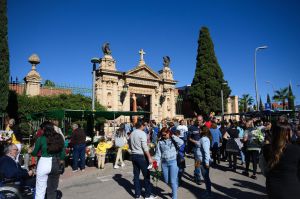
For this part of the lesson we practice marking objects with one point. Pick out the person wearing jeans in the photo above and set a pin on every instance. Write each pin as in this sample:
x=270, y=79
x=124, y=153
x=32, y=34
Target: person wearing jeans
x=141, y=159
x=205, y=160
x=140, y=164
x=166, y=153
x=78, y=141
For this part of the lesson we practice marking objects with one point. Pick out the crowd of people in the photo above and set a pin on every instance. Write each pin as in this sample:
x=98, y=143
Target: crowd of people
x=274, y=146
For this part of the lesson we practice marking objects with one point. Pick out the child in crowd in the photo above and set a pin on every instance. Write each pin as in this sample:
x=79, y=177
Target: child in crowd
x=101, y=151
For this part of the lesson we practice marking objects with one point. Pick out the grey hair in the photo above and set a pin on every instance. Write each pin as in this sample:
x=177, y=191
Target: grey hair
x=8, y=148
x=12, y=121
x=75, y=126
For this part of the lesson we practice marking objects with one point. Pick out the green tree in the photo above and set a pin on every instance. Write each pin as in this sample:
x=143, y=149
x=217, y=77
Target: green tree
x=281, y=95
x=49, y=83
x=291, y=99
x=205, y=91
x=245, y=101
x=268, y=99
x=36, y=104
x=261, y=106
x=4, y=60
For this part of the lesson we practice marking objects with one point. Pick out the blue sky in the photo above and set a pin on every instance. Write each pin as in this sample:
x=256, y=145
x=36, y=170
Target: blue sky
x=66, y=34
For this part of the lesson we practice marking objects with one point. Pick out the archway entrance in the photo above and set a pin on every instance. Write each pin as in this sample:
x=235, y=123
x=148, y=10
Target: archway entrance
x=143, y=103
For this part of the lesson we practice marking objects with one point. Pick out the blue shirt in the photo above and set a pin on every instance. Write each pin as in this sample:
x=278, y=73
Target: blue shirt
x=216, y=137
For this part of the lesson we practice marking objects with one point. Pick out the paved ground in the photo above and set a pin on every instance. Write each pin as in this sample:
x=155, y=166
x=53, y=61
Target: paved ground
x=117, y=183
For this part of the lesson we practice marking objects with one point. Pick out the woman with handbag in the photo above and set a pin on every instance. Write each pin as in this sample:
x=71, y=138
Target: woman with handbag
x=166, y=153
x=50, y=164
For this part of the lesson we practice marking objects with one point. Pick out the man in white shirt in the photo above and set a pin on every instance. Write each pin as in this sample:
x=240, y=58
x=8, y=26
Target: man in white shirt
x=182, y=128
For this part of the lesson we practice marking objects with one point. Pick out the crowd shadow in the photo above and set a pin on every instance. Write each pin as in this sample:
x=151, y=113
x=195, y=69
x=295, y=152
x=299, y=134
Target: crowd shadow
x=129, y=187
x=237, y=193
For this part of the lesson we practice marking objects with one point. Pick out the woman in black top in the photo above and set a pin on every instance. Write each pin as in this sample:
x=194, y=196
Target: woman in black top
x=283, y=160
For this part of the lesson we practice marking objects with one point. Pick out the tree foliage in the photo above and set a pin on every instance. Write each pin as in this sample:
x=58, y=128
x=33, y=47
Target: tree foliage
x=205, y=91
x=261, y=106
x=4, y=60
x=245, y=101
x=49, y=83
x=268, y=99
x=291, y=99
x=281, y=95
x=23, y=104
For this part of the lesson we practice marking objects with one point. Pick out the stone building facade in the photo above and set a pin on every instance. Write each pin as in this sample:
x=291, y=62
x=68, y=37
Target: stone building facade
x=138, y=89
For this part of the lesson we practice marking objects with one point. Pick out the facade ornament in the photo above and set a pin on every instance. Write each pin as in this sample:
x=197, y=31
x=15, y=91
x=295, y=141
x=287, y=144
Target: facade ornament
x=142, y=53
x=105, y=48
x=167, y=61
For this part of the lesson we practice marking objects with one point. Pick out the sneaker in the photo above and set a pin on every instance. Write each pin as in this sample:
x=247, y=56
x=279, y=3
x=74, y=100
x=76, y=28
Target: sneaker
x=74, y=171
x=151, y=197
x=122, y=165
x=254, y=177
x=245, y=173
x=116, y=167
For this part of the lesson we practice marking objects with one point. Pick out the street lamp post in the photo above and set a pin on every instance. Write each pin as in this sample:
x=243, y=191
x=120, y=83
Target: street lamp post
x=94, y=62
x=222, y=100
x=256, y=89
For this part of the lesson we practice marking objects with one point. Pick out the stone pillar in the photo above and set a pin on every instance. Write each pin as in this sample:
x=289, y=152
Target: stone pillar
x=33, y=78
x=134, y=108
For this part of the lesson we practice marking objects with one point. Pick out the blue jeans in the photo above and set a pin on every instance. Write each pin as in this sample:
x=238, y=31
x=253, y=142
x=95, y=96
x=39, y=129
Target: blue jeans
x=170, y=172
x=242, y=156
x=197, y=171
x=79, y=153
x=140, y=163
x=205, y=174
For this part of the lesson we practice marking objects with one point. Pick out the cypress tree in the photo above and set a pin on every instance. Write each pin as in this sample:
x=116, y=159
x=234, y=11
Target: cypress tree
x=268, y=99
x=205, y=91
x=4, y=60
x=291, y=99
x=261, y=107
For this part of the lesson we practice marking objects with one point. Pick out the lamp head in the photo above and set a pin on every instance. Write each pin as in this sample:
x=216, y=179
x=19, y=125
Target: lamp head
x=261, y=47
x=95, y=60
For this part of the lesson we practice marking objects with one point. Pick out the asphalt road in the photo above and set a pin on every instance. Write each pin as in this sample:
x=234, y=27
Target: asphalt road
x=117, y=184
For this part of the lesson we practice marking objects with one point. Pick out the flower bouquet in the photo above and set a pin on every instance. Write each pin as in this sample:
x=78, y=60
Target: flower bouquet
x=258, y=136
x=156, y=174
x=5, y=135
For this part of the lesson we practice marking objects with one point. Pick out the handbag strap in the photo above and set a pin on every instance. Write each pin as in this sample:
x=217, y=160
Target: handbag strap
x=175, y=144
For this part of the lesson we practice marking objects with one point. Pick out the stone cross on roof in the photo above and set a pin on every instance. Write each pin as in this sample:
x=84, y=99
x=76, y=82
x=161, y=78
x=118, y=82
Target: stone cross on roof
x=142, y=53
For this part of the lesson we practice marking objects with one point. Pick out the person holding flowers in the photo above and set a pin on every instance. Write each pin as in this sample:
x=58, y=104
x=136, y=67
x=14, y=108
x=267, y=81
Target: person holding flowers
x=166, y=154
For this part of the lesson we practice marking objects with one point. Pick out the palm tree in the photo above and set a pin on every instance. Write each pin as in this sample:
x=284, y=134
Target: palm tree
x=244, y=102
x=281, y=95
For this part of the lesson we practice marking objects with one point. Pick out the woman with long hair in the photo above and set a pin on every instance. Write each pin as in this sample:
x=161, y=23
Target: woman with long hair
x=166, y=153
x=120, y=142
x=48, y=171
x=205, y=160
x=283, y=164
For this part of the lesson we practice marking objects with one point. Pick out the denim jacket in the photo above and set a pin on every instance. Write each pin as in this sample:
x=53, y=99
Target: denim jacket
x=205, y=150
x=165, y=149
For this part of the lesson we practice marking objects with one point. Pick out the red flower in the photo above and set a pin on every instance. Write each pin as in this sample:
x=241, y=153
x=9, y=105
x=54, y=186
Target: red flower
x=155, y=166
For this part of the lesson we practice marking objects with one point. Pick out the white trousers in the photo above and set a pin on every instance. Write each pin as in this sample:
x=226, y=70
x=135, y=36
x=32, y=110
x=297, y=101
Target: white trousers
x=43, y=169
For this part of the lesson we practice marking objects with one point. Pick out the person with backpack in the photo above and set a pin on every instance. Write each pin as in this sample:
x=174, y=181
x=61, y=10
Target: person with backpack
x=50, y=164
x=252, y=143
